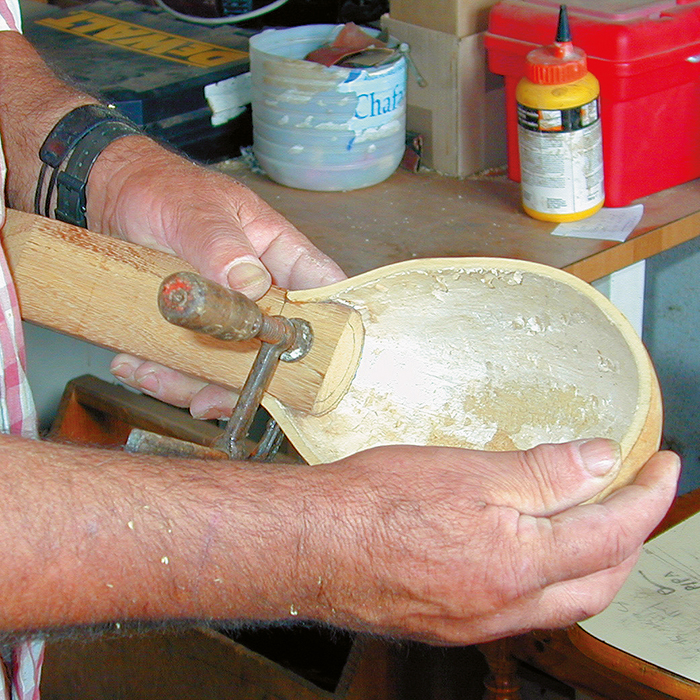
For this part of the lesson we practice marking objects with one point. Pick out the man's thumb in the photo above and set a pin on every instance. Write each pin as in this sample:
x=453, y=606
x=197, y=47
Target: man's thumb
x=549, y=478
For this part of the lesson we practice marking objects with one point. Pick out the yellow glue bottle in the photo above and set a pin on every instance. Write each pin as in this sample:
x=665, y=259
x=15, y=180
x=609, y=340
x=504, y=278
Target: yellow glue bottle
x=559, y=133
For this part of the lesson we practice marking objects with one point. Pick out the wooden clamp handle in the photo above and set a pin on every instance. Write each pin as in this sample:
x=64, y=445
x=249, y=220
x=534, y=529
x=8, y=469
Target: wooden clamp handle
x=105, y=290
x=189, y=300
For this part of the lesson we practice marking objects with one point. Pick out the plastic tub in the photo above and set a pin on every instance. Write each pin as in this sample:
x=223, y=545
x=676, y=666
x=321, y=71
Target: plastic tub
x=320, y=128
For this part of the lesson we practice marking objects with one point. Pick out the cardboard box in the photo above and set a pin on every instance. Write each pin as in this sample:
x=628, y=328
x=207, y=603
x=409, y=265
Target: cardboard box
x=457, y=17
x=461, y=111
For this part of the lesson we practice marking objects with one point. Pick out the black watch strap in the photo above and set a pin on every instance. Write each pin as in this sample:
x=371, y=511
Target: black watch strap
x=71, y=183
x=77, y=140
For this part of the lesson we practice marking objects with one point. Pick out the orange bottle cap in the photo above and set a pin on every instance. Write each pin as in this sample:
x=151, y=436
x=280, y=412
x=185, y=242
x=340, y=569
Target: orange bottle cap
x=560, y=62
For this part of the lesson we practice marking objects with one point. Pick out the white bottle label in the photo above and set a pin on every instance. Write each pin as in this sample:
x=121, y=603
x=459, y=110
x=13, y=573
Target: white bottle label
x=561, y=158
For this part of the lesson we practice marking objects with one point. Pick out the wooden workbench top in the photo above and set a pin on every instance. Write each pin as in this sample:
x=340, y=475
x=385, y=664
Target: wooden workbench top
x=430, y=215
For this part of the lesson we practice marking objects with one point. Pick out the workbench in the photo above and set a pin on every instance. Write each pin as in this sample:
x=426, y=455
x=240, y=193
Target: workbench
x=423, y=215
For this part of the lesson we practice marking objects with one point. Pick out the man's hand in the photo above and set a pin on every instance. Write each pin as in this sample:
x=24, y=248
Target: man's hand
x=460, y=547
x=150, y=196
x=142, y=192
x=442, y=545
x=139, y=191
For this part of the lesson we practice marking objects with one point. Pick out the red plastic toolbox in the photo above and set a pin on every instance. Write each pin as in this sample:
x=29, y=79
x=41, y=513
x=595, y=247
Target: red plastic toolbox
x=647, y=59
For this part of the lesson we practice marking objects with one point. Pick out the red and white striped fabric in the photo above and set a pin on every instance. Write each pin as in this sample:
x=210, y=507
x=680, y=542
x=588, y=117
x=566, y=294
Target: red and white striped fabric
x=10, y=17
x=17, y=413
x=22, y=672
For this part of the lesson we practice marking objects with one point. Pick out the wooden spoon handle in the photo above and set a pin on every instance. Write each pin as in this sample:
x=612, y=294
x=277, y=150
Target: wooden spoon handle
x=105, y=290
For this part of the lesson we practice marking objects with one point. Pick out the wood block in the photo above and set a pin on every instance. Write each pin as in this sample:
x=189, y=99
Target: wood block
x=105, y=290
x=99, y=413
x=198, y=663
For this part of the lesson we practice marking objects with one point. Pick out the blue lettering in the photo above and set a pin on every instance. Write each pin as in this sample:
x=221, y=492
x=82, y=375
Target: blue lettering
x=369, y=105
x=360, y=109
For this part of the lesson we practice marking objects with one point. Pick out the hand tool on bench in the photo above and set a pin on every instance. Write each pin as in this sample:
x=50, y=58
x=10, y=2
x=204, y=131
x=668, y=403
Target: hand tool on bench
x=481, y=353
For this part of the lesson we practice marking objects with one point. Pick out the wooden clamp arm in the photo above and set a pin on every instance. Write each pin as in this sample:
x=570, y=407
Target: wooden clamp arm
x=105, y=290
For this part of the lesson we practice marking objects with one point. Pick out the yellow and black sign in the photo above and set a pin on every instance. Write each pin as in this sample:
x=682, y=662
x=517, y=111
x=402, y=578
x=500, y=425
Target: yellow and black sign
x=144, y=40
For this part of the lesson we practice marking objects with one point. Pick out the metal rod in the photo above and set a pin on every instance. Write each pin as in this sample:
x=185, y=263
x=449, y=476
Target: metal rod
x=250, y=398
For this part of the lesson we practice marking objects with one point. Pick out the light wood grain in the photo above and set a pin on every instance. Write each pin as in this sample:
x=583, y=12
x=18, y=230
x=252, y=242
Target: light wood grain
x=639, y=247
x=485, y=353
x=105, y=291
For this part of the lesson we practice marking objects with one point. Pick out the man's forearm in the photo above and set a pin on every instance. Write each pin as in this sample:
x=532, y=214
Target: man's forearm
x=32, y=100
x=440, y=548
x=92, y=536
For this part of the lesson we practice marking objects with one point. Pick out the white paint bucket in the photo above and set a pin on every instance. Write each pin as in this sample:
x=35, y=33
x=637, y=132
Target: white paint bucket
x=320, y=128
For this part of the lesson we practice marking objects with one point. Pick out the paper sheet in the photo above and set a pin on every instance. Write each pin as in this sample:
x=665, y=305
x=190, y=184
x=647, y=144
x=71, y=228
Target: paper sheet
x=613, y=224
x=656, y=614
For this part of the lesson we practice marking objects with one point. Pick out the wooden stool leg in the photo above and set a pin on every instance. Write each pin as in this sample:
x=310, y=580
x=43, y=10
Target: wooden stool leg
x=502, y=682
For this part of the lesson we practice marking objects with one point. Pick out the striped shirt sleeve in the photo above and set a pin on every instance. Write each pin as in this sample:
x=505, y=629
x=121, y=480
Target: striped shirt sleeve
x=20, y=675
x=10, y=18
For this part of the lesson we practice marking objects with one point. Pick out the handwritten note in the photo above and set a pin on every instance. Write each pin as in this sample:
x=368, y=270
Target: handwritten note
x=607, y=224
x=656, y=614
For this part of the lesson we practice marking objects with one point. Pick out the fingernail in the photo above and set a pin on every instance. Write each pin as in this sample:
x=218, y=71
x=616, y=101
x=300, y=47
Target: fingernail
x=600, y=456
x=123, y=368
x=148, y=383
x=209, y=413
x=250, y=278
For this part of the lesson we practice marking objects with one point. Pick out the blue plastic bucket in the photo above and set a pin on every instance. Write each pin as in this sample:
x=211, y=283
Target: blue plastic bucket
x=324, y=128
